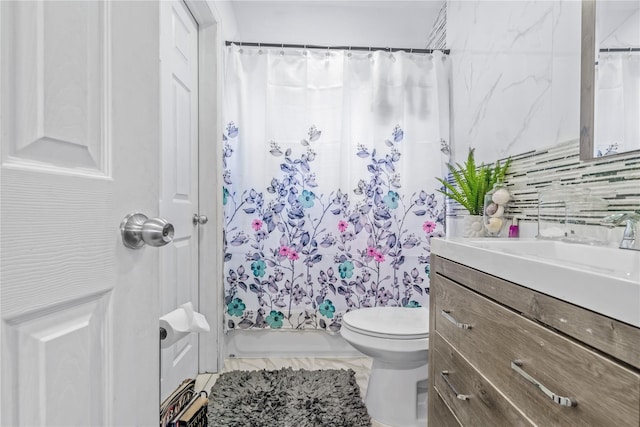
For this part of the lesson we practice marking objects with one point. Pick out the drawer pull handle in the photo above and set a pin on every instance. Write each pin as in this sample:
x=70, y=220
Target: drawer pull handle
x=445, y=377
x=560, y=400
x=446, y=315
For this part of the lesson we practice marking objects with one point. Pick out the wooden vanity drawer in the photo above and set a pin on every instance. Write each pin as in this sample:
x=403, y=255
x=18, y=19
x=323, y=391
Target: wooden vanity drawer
x=454, y=378
x=607, y=393
x=618, y=339
x=439, y=413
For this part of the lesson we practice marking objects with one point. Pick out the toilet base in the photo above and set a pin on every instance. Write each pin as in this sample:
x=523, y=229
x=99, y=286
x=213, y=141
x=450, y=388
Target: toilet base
x=392, y=394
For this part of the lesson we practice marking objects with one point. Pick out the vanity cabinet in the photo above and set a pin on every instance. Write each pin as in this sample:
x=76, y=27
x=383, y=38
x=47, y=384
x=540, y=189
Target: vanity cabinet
x=503, y=354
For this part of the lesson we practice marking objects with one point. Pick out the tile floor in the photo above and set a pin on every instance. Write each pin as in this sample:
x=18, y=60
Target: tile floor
x=361, y=366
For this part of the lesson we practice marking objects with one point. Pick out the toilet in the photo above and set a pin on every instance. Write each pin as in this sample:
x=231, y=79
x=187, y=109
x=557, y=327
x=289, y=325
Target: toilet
x=397, y=339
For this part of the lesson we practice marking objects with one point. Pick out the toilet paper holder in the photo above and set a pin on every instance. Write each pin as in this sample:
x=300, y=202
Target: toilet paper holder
x=137, y=229
x=181, y=322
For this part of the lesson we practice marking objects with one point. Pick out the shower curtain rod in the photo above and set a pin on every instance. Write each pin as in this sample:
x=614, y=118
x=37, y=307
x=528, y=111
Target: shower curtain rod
x=313, y=46
x=620, y=49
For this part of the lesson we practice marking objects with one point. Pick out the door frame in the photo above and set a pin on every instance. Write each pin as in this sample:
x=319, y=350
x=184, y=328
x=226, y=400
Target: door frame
x=210, y=266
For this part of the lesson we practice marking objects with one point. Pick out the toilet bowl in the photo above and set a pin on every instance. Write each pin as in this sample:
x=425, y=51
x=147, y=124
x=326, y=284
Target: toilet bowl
x=397, y=339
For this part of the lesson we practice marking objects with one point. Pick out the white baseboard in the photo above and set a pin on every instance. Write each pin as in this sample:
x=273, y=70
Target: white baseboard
x=267, y=343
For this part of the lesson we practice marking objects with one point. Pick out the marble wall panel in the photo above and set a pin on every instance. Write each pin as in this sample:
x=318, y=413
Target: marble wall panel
x=515, y=75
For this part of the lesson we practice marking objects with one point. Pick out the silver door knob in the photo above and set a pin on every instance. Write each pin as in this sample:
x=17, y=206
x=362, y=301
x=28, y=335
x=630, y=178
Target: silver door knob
x=137, y=229
x=200, y=219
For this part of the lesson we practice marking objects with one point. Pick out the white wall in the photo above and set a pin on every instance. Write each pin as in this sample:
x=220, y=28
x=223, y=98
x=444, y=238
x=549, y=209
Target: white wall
x=515, y=75
x=382, y=23
x=618, y=24
x=225, y=17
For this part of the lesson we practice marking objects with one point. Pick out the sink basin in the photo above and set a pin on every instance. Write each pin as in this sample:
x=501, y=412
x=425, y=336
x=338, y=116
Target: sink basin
x=598, y=259
x=602, y=279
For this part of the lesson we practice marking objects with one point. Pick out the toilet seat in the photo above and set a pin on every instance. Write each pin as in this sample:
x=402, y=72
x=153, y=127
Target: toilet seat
x=396, y=323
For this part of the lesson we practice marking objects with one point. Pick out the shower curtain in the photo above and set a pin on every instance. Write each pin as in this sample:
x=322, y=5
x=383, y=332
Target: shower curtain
x=330, y=201
x=617, y=103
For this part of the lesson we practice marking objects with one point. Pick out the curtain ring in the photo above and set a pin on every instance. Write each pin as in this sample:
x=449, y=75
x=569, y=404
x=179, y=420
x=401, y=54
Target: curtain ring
x=259, y=49
x=282, y=49
x=240, y=50
x=370, y=54
x=349, y=53
x=328, y=54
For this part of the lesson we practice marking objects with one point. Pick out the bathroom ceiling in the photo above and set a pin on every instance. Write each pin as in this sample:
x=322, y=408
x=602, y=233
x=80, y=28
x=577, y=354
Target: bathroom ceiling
x=354, y=23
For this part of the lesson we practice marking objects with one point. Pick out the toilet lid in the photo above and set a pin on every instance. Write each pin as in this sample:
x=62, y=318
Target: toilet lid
x=389, y=322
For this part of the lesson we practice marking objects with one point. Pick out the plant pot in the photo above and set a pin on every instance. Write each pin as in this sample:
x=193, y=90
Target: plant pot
x=472, y=226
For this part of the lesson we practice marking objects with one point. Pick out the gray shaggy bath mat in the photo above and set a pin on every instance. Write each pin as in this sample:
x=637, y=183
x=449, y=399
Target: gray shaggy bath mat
x=287, y=398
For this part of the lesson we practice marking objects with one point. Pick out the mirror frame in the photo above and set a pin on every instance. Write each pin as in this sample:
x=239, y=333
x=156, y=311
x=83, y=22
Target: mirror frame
x=587, y=79
x=587, y=84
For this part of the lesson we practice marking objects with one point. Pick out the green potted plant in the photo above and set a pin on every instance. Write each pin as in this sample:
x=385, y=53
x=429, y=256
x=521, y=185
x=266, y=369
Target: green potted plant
x=469, y=186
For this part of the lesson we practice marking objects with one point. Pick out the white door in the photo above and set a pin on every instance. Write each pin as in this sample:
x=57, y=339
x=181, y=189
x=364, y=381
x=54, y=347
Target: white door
x=79, y=131
x=179, y=182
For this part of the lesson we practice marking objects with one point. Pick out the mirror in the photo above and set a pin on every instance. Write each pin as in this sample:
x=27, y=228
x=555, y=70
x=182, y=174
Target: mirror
x=610, y=78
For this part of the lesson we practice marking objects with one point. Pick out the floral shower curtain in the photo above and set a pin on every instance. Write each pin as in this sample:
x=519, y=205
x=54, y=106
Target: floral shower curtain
x=330, y=159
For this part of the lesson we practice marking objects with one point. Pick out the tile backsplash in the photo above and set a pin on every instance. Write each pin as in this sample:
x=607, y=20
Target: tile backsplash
x=614, y=179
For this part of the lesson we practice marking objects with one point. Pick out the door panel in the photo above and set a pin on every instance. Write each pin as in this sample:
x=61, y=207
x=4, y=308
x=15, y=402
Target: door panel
x=179, y=182
x=57, y=107
x=79, y=136
x=46, y=365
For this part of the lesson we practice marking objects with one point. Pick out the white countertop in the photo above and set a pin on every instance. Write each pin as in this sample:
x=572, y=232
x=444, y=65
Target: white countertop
x=605, y=280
